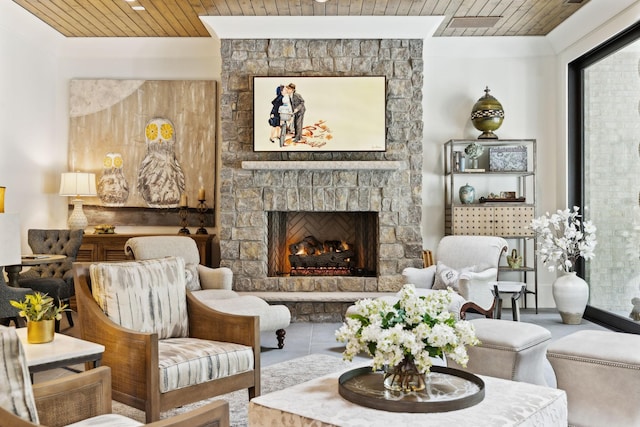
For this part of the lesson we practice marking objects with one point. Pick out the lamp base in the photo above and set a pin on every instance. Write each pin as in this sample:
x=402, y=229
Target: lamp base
x=77, y=219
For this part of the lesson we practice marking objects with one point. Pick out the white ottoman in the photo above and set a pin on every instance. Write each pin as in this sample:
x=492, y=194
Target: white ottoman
x=600, y=371
x=509, y=350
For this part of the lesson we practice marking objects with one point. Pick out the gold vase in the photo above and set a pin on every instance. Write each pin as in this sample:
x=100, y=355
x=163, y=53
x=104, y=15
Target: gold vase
x=40, y=332
x=404, y=377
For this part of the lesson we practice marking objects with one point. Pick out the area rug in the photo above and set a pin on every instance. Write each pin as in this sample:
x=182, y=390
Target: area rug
x=274, y=377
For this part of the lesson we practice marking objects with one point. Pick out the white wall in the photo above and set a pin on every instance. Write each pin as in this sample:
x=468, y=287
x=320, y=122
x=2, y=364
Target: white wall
x=525, y=74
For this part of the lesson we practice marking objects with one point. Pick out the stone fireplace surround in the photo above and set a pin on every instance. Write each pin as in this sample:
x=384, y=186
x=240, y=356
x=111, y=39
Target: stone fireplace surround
x=255, y=183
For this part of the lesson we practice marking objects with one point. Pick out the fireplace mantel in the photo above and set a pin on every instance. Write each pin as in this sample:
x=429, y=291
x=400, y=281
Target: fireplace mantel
x=323, y=165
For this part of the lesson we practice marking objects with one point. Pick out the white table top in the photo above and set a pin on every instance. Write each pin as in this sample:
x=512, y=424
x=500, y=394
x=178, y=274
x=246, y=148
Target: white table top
x=504, y=286
x=317, y=403
x=62, y=348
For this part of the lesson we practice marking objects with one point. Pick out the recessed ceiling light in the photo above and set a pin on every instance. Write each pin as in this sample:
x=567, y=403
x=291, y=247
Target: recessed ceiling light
x=473, y=21
x=321, y=1
x=137, y=7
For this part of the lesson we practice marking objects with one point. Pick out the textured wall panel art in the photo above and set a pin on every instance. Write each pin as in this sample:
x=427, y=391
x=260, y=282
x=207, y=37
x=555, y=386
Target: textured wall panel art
x=148, y=142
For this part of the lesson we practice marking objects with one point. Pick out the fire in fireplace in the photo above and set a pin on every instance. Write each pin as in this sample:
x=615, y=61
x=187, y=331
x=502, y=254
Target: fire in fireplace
x=323, y=243
x=310, y=257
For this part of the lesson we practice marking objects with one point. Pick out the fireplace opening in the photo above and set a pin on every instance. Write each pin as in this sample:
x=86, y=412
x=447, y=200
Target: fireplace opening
x=322, y=243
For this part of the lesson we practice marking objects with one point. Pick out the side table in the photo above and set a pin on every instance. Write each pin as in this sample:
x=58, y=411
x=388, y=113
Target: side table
x=515, y=290
x=61, y=352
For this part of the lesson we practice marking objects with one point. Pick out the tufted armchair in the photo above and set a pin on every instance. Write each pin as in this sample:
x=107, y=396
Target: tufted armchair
x=83, y=399
x=55, y=279
x=164, y=347
x=212, y=286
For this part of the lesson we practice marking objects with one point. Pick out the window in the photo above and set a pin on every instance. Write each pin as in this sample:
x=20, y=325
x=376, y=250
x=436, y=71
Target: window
x=604, y=172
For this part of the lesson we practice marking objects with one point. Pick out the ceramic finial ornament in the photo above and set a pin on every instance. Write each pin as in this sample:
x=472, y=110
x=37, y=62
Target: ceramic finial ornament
x=487, y=115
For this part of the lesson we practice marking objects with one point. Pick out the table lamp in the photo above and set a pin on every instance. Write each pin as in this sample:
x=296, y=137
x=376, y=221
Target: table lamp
x=76, y=184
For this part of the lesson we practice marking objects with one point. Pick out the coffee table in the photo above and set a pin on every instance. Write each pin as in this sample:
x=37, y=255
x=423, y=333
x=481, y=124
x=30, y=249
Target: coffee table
x=63, y=351
x=317, y=403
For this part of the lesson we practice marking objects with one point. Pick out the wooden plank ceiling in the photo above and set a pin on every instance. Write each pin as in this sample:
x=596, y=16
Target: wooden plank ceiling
x=179, y=18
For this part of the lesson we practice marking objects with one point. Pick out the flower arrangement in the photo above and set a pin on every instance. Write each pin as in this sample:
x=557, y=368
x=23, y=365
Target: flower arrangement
x=564, y=238
x=416, y=328
x=38, y=306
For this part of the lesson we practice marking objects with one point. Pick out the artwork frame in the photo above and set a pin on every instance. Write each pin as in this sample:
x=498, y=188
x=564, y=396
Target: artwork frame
x=341, y=113
x=110, y=121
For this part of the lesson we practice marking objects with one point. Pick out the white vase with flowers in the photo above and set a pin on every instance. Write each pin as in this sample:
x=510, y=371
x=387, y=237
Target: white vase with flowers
x=563, y=238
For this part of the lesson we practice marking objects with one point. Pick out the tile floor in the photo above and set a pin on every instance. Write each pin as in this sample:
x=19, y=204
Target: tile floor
x=307, y=338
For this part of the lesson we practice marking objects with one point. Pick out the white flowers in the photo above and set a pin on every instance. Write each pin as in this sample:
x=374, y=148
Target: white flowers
x=563, y=238
x=415, y=327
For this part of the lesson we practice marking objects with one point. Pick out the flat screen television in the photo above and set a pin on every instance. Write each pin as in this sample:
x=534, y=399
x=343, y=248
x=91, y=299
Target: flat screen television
x=340, y=113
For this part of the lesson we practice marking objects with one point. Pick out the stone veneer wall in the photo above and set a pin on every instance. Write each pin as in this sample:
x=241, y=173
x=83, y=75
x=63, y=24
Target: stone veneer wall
x=247, y=195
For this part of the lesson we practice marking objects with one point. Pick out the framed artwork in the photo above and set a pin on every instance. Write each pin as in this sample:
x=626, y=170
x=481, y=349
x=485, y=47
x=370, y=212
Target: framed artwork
x=319, y=113
x=151, y=144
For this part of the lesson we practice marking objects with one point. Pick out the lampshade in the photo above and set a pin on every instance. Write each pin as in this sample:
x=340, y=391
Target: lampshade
x=78, y=184
x=9, y=239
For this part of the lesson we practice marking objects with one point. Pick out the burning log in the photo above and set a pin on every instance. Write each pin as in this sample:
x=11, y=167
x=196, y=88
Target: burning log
x=316, y=256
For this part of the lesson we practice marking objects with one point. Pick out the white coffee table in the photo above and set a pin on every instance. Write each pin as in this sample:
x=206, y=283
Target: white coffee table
x=317, y=403
x=61, y=352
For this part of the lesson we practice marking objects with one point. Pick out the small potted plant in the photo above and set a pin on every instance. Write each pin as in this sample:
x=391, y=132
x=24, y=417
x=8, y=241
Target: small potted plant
x=41, y=313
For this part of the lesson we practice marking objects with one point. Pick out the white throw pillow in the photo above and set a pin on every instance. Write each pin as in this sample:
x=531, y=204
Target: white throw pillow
x=447, y=277
x=144, y=296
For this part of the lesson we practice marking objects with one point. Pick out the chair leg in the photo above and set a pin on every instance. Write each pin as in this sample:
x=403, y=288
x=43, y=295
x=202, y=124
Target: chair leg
x=280, y=333
x=70, y=318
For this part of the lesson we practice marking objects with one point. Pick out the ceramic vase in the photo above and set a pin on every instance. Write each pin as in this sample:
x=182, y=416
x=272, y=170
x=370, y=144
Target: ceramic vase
x=487, y=115
x=467, y=194
x=571, y=294
x=404, y=377
x=40, y=332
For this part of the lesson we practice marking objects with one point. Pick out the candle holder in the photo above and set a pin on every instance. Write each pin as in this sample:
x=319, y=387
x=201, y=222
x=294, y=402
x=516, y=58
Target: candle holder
x=201, y=209
x=183, y=212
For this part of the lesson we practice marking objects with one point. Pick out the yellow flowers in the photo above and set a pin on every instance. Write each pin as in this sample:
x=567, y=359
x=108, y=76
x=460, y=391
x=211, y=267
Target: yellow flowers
x=39, y=306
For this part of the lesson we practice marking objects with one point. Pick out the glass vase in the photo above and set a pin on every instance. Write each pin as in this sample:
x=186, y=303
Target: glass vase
x=404, y=377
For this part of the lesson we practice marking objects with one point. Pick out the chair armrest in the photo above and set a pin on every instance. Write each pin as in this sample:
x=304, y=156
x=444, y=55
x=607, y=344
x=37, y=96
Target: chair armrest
x=474, y=287
x=209, y=324
x=488, y=275
x=88, y=393
x=421, y=277
x=204, y=416
x=215, y=278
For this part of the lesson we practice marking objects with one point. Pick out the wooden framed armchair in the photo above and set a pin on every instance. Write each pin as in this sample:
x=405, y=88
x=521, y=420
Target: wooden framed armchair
x=83, y=399
x=158, y=366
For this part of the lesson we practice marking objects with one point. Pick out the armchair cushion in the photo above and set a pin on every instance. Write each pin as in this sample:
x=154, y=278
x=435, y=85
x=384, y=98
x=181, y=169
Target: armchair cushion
x=16, y=394
x=188, y=361
x=145, y=296
x=447, y=277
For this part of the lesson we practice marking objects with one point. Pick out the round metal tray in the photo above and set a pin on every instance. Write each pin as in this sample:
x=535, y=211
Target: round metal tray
x=447, y=389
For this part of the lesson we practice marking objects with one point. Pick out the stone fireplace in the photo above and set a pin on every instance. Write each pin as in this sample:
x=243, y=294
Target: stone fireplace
x=260, y=188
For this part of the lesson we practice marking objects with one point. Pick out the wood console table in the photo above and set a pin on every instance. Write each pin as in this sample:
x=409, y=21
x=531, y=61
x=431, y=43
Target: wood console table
x=110, y=247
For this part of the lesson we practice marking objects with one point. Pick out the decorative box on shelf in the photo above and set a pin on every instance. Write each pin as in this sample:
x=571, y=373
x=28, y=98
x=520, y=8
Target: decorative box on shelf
x=507, y=159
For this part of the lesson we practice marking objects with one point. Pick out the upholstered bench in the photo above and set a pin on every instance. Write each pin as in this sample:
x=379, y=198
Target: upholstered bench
x=600, y=371
x=509, y=350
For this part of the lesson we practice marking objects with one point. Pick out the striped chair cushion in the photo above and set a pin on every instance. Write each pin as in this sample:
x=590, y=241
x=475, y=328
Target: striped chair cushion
x=16, y=394
x=188, y=361
x=144, y=296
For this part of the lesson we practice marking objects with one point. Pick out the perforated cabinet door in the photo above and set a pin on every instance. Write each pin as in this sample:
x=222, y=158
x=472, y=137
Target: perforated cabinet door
x=513, y=221
x=473, y=221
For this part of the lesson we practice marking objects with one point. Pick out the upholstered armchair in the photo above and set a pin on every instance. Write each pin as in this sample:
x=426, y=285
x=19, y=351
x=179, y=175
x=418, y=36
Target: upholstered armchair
x=466, y=264
x=83, y=399
x=54, y=279
x=212, y=286
x=7, y=293
x=165, y=348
